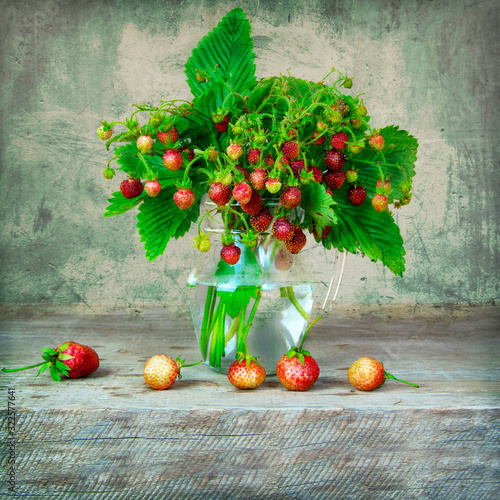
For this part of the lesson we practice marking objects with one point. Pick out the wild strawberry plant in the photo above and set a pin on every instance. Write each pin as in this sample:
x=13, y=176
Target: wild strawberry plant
x=244, y=141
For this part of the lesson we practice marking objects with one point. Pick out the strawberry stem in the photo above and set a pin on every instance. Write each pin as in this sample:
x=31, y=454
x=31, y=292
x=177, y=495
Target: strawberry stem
x=392, y=377
x=23, y=368
x=307, y=331
x=295, y=302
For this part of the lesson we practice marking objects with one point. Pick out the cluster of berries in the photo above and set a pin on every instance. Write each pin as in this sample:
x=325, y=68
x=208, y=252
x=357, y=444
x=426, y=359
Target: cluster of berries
x=255, y=155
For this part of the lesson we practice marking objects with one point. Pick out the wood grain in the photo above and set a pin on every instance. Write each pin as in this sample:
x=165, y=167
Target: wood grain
x=108, y=436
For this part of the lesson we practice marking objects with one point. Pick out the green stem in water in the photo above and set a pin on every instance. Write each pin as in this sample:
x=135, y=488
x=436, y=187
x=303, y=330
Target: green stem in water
x=205, y=322
x=232, y=328
x=241, y=331
x=307, y=331
x=392, y=377
x=295, y=302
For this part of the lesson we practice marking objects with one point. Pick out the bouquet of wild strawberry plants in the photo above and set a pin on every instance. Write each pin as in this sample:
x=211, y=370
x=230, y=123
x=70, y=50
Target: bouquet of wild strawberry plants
x=243, y=142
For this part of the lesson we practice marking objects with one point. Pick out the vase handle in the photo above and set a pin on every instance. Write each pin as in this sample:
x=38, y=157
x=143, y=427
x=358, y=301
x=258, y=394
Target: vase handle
x=335, y=281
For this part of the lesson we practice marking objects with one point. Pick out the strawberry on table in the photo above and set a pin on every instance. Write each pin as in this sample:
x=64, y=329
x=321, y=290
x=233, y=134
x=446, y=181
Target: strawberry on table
x=246, y=373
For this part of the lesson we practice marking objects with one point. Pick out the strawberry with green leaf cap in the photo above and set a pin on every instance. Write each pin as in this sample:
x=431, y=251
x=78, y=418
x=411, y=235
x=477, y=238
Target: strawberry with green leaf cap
x=70, y=359
x=246, y=372
x=297, y=370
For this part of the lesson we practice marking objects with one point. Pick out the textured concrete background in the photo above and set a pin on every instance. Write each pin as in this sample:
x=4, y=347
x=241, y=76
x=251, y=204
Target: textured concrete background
x=429, y=66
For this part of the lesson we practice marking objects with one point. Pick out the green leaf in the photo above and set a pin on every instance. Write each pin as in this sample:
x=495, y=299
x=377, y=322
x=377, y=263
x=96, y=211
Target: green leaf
x=159, y=219
x=65, y=357
x=49, y=351
x=118, y=204
x=317, y=203
x=230, y=46
x=400, y=155
x=61, y=367
x=237, y=300
x=54, y=373
x=374, y=233
x=63, y=347
x=43, y=368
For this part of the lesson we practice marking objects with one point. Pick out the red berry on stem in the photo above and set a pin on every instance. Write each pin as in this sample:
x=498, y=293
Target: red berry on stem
x=334, y=160
x=230, y=254
x=334, y=180
x=377, y=142
x=242, y=192
x=298, y=241
x=261, y=221
x=283, y=229
x=219, y=193
x=223, y=125
x=380, y=202
x=234, y=151
x=153, y=188
x=290, y=150
x=184, y=198
x=253, y=156
x=254, y=205
x=356, y=195
x=339, y=141
x=168, y=137
x=245, y=374
x=290, y=198
x=258, y=178
x=131, y=188
x=295, y=375
x=172, y=159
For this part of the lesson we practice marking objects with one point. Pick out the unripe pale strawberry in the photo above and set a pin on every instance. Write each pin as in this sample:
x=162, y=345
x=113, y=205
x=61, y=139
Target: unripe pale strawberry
x=351, y=176
x=144, y=143
x=380, y=202
x=104, y=134
x=184, y=198
x=377, y=142
x=160, y=372
x=246, y=375
x=152, y=188
x=172, y=159
x=234, y=151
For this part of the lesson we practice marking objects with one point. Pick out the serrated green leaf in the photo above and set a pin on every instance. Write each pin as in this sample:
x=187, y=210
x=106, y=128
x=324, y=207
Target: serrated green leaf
x=118, y=204
x=230, y=46
x=400, y=155
x=47, y=357
x=317, y=203
x=62, y=368
x=159, y=219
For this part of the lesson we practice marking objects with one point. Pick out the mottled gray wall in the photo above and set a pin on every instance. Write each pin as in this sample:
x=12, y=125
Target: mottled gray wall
x=429, y=66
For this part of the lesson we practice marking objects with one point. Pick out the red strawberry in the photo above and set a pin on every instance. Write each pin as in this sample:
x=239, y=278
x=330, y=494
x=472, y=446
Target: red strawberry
x=273, y=185
x=168, y=137
x=131, y=188
x=290, y=150
x=298, y=241
x=261, y=221
x=324, y=233
x=334, y=160
x=190, y=153
x=380, y=202
x=254, y=205
x=234, y=151
x=339, y=141
x=243, y=170
x=219, y=193
x=160, y=372
x=70, y=359
x=153, y=188
x=253, y=156
x=366, y=374
x=316, y=173
x=184, y=198
x=104, y=134
x=258, y=178
x=172, y=159
x=144, y=143
x=297, y=167
x=297, y=370
x=334, y=180
x=269, y=160
x=320, y=140
x=246, y=373
x=230, y=254
x=283, y=229
x=356, y=195
x=290, y=198
x=242, y=192
x=223, y=125
x=329, y=191
x=377, y=142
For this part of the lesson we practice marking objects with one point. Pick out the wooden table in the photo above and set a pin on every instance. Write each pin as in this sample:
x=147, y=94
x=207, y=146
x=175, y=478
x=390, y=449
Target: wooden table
x=109, y=436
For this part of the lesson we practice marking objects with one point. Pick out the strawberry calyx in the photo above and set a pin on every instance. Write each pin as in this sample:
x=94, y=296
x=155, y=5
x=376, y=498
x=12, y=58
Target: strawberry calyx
x=53, y=359
x=181, y=363
x=247, y=358
x=299, y=353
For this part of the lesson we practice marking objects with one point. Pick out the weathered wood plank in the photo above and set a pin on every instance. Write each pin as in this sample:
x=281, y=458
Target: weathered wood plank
x=109, y=436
